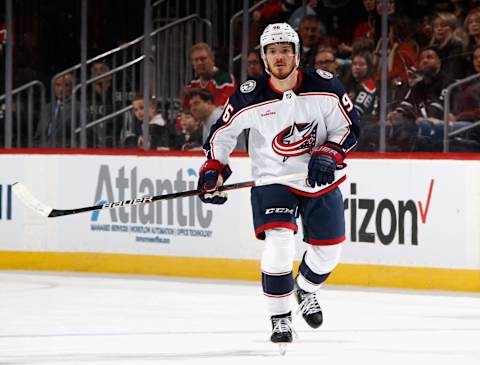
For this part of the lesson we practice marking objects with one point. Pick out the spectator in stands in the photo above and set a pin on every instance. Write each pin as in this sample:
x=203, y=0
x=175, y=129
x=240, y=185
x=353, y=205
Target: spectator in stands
x=370, y=28
x=361, y=88
x=100, y=104
x=472, y=29
x=424, y=31
x=157, y=127
x=204, y=110
x=296, y=17
x=365, y=29
x=326, y=60
x=401, y=58
x=474, y=5
x=54, y=129
x=310, y=36
x=468, y=108
x=423, y=106
x=207, y=113
x=208, y=77
x=103, y=86
x=468, y=104
x=459, y=8
x=254, y=65
x=274, y=11
x=449, y=46
x=190, y=134
x=402, y=50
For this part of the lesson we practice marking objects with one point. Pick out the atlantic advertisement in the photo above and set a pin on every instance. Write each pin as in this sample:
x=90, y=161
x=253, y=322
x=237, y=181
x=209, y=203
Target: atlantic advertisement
x=398, y=212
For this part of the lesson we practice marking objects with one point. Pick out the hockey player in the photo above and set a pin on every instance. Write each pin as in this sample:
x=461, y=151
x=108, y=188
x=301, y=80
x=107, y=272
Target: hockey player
x=299, y=122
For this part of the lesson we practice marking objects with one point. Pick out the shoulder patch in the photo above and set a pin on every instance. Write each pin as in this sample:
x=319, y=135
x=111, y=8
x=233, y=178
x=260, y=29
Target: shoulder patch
x=248, y=86
x=325, y=74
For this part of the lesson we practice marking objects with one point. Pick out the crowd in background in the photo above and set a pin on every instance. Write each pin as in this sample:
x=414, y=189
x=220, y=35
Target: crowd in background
x=426, y=53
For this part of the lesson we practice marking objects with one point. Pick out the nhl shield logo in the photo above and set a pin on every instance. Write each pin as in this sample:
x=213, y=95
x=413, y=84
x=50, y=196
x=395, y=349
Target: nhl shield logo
x=248, y=86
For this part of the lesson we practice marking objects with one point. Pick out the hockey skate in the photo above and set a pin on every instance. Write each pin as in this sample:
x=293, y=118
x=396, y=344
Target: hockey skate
x=309, y=307
x=282, y=331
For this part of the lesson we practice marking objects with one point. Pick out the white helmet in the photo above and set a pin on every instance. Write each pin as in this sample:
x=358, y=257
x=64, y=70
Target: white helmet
x=276, y=33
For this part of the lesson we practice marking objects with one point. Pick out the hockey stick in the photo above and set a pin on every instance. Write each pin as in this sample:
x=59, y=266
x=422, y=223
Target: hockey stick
x=30, y=201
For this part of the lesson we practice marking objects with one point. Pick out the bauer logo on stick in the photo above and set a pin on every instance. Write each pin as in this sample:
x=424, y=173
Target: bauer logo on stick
x=147, y=199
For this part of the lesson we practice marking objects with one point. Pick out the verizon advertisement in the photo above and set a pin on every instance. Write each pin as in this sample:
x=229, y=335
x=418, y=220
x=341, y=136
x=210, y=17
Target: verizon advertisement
x=419, y=213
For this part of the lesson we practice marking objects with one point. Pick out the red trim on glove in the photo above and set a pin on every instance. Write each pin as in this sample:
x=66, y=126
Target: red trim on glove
x=211, y=165
x=333, y=150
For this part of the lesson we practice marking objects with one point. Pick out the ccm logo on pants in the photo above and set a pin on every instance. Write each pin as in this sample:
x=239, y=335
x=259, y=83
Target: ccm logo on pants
x=278, y=211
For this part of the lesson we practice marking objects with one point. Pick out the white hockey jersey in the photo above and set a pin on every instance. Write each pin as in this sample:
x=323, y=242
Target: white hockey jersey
x=286, y=126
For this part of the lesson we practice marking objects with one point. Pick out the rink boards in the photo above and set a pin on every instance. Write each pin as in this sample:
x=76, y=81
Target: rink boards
x=412, y=222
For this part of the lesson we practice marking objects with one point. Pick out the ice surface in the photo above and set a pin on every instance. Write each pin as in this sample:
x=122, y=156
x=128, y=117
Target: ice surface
x=76, y=319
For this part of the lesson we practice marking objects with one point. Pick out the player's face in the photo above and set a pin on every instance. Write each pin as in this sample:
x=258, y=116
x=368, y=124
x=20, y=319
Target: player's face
x=280, y=59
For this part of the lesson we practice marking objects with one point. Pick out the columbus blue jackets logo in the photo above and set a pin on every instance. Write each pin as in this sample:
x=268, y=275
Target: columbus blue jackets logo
x=296, y=140
x=248, y=86
x=325, y=74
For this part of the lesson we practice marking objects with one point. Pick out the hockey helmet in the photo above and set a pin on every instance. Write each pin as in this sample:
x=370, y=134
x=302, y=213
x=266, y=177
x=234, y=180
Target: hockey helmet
x=278, y=33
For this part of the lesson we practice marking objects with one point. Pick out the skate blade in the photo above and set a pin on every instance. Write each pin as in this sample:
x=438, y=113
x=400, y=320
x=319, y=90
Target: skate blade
x=282, y=347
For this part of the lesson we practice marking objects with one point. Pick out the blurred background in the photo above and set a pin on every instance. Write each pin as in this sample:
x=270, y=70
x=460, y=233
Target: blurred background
x=153, y=75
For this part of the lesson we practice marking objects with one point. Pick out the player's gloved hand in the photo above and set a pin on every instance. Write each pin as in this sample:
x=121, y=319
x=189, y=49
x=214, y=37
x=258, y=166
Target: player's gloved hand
x=325, y=159
x=212, y=175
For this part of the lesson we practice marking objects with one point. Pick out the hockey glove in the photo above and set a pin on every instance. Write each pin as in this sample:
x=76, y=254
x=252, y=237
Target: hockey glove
x=211, y=176
x=324, y=161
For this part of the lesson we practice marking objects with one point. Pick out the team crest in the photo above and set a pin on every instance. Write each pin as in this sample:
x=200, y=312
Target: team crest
x=295, y=140
x=248, y=86
x=325, y=74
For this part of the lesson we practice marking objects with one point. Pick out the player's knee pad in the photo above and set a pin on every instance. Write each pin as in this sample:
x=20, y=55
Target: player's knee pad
x=279, y=251
x=322, y=259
